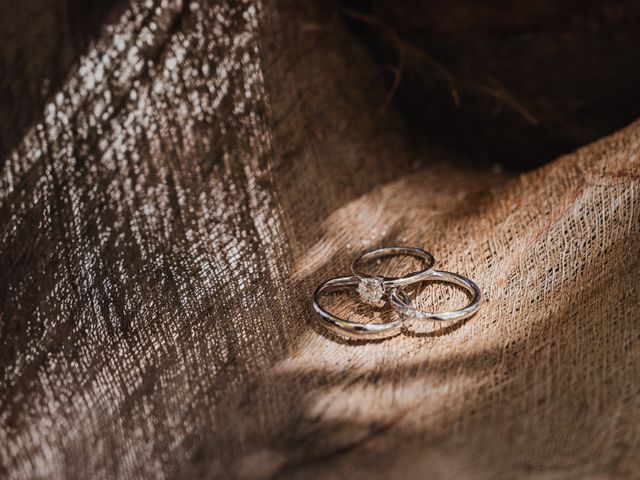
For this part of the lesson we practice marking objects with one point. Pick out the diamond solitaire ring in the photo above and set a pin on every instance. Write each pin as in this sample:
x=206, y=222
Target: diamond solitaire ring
x=373, y=289
x=345, y=328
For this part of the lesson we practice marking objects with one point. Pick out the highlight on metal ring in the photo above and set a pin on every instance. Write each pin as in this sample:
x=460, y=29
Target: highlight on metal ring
x=345, y=328
x=405, y=307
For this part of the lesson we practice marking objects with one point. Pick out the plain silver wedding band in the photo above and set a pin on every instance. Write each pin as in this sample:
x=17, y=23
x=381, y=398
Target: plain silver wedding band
x=375, y=253
x=405, y=307
x=337, y=325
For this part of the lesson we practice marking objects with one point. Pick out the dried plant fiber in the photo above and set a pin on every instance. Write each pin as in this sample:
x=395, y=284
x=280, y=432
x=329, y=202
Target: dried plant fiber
x=201, y=169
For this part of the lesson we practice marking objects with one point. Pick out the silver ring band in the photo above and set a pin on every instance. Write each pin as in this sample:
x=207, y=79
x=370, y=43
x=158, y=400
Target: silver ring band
x=407, y=279
x=345, y=328
x=405, y=307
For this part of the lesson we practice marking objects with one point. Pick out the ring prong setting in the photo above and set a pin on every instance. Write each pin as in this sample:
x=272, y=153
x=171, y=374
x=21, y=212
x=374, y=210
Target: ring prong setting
x=372, y=291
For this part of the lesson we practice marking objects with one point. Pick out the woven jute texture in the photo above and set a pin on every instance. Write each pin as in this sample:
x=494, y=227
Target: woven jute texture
x=202, y=167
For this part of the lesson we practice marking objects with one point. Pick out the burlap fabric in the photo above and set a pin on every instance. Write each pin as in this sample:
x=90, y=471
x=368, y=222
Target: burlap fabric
x=201, y=169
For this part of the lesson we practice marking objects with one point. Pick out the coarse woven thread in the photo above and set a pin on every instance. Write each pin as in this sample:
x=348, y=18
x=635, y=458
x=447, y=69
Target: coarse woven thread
x=201, y=169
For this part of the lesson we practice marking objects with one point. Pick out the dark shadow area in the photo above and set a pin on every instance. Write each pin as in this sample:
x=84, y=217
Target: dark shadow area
x=36, y=53
x=509, y=83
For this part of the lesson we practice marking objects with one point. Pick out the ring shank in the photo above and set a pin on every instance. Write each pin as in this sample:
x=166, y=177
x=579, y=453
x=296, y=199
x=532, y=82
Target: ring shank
x=346, y=328
x=412, y=277
x=405, y=307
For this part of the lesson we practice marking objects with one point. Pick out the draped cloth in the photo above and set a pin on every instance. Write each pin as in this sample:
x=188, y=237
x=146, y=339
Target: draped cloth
x=200, y=168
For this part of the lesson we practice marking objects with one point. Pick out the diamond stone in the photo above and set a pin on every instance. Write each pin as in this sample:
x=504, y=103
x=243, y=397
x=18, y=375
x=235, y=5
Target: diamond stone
x=371, y=291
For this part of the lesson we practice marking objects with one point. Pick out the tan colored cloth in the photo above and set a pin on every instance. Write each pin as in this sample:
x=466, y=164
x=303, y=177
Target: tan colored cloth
x=201, y=170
